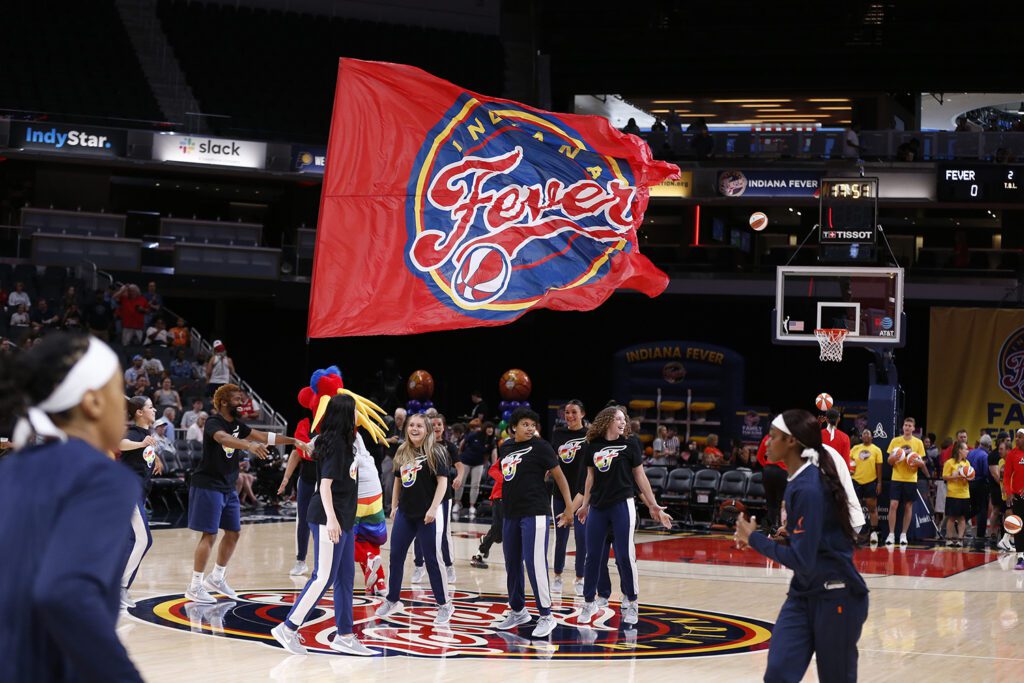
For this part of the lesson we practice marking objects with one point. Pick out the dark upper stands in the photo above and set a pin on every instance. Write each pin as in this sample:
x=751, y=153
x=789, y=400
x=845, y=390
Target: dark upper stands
x=71, y=58
x=274, y=72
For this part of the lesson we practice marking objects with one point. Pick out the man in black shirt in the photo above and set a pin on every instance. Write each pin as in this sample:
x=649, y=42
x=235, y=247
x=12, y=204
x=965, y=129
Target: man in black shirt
x=525, y=460
x=212, y=501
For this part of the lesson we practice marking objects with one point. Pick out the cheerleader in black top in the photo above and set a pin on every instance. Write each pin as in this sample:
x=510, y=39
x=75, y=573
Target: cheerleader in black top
x=614, y=464
x=827, y=602
x=567, y=442
x=138, y=452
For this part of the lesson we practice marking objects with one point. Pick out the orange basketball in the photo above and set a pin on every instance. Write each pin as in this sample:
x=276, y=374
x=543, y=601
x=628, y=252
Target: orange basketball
x=649, y=451
x=915, y=459
x=758, y=221
x=420, y=385
x=1012, y=524
x=515, y=385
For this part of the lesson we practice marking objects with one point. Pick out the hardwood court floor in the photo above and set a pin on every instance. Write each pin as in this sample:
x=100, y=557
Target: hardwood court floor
x=936, y=614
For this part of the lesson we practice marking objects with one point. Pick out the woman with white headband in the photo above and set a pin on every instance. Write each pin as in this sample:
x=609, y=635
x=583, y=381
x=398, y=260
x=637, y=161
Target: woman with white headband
x=65, y=508
x=827, y=602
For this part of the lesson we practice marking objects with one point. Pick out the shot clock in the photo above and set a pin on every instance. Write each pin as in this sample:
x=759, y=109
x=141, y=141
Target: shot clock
x=848, y=210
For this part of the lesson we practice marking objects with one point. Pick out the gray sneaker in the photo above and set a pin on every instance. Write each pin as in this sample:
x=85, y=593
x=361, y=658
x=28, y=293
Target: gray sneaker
x=602, y=601
x=199, y=594
x=444, y=614
x=630, y=612
x=451, y=574
x=419, y=575
x=298, y=569
x=545, y=625
x=514, y=619
x=126, y=599
x=220, y=586
x=350, y=645
x=556, y=585
x=588, y=613
x=289, y=639
x=387, y=607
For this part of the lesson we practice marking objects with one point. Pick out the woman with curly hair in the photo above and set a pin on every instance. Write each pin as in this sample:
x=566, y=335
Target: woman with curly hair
x=614, y=462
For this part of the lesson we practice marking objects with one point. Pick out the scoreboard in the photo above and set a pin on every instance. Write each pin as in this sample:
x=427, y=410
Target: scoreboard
x=980, y=183
x=848, y=211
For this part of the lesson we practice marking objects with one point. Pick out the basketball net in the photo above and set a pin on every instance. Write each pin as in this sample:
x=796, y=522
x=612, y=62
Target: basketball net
x=831, y=342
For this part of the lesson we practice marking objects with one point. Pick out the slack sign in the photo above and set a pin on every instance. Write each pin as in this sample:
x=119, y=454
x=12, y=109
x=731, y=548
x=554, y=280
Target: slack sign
x=67, y=139
x=196, y=149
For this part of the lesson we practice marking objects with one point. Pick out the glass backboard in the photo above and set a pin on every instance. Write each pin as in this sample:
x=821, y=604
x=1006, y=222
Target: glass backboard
x=867, y=302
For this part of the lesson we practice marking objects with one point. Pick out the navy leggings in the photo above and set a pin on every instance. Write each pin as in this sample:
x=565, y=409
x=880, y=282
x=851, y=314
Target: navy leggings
x=620, y=519
x=446, y=552
x=525, y=542
x=334, y=566
x=562, y=539
x=833, y=620
x=303, y=494
x=404, y=531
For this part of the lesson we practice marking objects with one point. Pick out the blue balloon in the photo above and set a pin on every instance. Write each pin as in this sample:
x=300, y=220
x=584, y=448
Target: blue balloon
x=507, y=415
x=525, y=404
x=427, y=405
x=503, y=406
x=413, y=406
x=513, y=404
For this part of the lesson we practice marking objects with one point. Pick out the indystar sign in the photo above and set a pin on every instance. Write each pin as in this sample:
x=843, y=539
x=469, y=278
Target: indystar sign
x=64, y=139
x=194, y=149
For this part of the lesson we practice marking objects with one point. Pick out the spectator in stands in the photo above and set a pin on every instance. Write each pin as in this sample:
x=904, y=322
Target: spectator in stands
x=181, y=368
x=180, y=334
x=909, y=151
x=219, y=369
x=199, y=366
x=154, y=303
x=249, y=409
x=69, y=299
x=931, y=453
x=478, y=411
x=72, y=318
x=100, y=317
x=19, y=297
x=157, y=334
x=631, y=128
x=852, y=149
x=163, y=430
x=674, y=133
x=691, y=456
x=746, y=459
x=20, y=317
x=194, y=432
x=171, y=415
x=191, y=416
x=246, y=496
x=140, y=387
x=136, y=369
x=43, y=319
x=703, y=145
x=152, y=365
x=166, y=397
x=978, y=487
x=713, y=457
x=131, y=310
x=736, y=453
x=634, y=426
x=656, y=139
x=667, y=445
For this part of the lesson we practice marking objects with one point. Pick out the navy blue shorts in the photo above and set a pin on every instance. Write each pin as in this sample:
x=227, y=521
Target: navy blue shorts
x=210, y=510
x=958, y=507
x=903, y=491
x=865, y=491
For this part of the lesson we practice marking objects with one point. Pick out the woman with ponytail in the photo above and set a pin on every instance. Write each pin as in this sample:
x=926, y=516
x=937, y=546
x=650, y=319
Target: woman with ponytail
x=66, y=510
x=138, y=452
x=827, y=602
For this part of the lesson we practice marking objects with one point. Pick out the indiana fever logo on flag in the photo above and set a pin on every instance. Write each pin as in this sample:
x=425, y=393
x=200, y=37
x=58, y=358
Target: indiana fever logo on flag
x=445, y=209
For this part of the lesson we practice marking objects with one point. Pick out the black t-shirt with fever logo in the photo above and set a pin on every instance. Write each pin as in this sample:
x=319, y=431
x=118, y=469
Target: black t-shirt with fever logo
x=523, y=466
x=612, y=463
x=218, y=468
x=340, y=467
x=567, y=444
x=139, y=460
x=417, y=484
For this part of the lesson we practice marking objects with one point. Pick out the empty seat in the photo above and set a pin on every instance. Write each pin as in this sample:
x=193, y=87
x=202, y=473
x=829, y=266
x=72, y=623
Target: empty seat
x=733, y=484
x=755, y=498
x=678, y=488
x=705, y=489
x=657, y=476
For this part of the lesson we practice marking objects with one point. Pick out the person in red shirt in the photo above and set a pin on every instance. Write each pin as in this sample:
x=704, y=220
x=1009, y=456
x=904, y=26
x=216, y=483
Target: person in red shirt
x=1013, y=483
x=947, y=451
x=131, y=309
x=832, y=436
x=494, y=534
x=774, y=479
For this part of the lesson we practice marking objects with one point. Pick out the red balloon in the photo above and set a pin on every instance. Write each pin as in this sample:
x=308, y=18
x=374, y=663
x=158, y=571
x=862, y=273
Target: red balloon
x=515, y=385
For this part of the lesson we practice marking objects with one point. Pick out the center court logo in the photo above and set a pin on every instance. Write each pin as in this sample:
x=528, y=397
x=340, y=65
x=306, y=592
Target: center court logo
x=662, y=632
x=506, y=205
x=1011, y=365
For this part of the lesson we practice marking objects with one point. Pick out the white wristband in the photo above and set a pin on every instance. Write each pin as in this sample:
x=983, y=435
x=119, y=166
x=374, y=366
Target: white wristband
x=271, y=438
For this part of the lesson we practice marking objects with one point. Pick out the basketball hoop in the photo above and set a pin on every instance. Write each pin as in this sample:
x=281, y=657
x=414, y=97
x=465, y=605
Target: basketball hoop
x=831, y=342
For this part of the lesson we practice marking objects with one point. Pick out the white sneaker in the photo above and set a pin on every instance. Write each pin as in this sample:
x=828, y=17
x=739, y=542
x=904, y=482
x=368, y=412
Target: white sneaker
x=451, y=574
x=298, y=569
x=350, y=645
x=890, y=539
x=374, y=564
x=630, y=612
x=577, y=586
x=545, y=625
x=903, y=539
x=419, y=574
x=472, y=512
x=126, y=599
x=199, y=594
x=556, y=585
x=514, y=619
x=588, y=613
x=387, y=607
x=456, y=508
x=220, y=586
x=289, y=639
x=602, y=601
x=873, y=539
x=1004, y=544
x=444, y=613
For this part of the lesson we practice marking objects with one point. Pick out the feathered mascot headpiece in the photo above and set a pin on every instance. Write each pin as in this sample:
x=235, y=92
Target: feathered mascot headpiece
x=327, y=383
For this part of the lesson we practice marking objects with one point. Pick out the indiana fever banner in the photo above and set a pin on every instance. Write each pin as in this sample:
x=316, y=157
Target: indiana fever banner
x=445, y=209
x=975, y=370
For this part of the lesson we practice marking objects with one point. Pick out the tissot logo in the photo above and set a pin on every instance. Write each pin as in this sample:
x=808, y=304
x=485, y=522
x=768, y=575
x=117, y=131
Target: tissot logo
x=72, y=138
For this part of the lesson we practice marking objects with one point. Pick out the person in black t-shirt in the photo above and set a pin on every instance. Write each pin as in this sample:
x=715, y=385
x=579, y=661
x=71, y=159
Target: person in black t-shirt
x=525, y=460
x=455, y=476
x=212, y=500
x=567, y=442
x=421, y=473
x=331, y=516
x=138, y=452
x=614, y=467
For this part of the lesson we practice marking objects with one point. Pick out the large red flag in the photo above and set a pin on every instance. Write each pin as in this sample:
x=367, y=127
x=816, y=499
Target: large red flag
x=444, y=209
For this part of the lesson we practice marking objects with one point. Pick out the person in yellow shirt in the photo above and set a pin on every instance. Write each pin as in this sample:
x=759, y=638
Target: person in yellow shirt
x=867, y=477
x=958, y=494
x=903, y=487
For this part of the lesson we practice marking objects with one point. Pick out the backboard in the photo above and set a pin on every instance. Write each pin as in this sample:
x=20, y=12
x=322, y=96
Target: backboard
x=868, y=302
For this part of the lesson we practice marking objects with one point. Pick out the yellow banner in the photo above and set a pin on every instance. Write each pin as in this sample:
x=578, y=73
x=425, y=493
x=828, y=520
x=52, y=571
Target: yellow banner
x=675, y=188
x=975, y=371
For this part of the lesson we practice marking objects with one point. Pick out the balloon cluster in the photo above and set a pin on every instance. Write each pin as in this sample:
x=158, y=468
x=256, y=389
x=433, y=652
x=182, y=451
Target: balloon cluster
x=506, y=408
x=414, y=406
